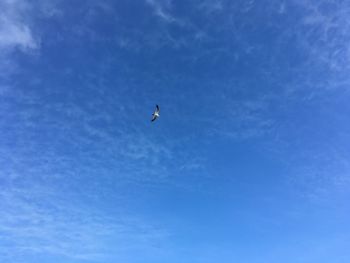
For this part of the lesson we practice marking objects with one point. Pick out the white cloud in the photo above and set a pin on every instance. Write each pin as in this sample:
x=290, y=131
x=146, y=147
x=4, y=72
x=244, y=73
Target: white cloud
x=14, y=34
x=161, y=8
x=15, y=30
x=325, y=34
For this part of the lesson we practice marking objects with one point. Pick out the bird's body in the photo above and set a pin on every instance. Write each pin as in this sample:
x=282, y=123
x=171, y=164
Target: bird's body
x=155, y=114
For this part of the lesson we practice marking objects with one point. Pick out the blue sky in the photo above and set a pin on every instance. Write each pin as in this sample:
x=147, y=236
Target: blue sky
x=249, y=161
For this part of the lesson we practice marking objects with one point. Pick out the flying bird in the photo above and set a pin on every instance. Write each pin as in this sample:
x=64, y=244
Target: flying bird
x=155, y=114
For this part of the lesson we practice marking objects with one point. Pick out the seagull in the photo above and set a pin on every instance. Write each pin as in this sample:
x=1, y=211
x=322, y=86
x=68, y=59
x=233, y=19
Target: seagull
x=155, y=114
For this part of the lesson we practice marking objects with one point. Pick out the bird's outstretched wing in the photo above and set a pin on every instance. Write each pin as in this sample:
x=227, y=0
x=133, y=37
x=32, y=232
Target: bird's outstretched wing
x=154, y=117
x=157, y=108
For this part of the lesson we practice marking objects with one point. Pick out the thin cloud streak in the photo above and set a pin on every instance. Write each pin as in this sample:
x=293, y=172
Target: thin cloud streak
x=159, y=9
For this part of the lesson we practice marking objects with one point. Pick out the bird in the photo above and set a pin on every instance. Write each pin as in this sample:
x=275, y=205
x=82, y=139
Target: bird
x=155, y=114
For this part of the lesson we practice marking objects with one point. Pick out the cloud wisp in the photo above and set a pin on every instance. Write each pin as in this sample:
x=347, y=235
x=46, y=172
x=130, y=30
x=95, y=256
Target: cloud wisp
x=15, y=30
x=161, y=8
x=39, y=222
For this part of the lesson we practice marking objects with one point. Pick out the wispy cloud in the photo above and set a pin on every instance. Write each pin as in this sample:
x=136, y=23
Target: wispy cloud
x=94, y=153
x=14, y=35
x=211, y=6
x=322, y=34
x=39, y=222
x=161, y=9
x=15, y=31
